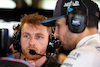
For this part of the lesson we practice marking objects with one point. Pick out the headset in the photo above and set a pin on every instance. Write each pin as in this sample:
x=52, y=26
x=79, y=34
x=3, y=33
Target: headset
x=77, y=19
x=53, y=44
x=16, y=40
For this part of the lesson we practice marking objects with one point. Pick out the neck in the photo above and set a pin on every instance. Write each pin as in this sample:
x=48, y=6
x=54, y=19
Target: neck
x=86, y=32
x=38, y=62
x=41, y=61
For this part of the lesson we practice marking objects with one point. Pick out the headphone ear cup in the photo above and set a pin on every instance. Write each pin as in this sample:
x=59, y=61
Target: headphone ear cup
x=53, y=44
x=77, y=22
x=50, y=47
x=16, y=41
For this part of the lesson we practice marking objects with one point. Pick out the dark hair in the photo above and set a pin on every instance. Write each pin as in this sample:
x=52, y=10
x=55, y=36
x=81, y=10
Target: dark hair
x=92, y=21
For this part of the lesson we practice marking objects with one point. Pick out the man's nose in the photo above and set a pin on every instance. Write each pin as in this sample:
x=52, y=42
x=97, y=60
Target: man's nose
x=56, y=34
x=32, y=41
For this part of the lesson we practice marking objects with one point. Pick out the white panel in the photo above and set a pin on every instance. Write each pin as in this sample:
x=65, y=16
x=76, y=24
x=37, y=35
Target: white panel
x=98, y=2
x=48, y=4
x=7, y=4
x=8, y=25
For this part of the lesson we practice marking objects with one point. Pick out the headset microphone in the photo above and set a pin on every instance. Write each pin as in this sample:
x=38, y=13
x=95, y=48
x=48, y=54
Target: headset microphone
x=34, y=53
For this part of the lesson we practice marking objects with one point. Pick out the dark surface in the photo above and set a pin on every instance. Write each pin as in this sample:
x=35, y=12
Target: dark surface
x=17, y=14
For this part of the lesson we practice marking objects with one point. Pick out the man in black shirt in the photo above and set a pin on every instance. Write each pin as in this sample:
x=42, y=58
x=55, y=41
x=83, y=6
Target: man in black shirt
x=32, y=40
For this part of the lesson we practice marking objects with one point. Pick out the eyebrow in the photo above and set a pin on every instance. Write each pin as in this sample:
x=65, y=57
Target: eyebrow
x=36, y=33
x=39, y=34
x=56, y=23
x=25, y=33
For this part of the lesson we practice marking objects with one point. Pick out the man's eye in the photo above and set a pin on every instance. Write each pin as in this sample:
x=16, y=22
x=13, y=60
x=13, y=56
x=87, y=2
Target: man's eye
x=39, y=36
x=26, y=36
x=57, y=25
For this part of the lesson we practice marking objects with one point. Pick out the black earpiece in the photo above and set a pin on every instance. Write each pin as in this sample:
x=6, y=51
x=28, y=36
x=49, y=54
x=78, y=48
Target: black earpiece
x=77, y=19
x=53, y=45
x=16, y=40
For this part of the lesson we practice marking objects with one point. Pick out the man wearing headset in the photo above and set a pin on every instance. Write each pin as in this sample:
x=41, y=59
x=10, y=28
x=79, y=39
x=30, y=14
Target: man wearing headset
x=76, y=27
x=32, y=40
x=17, y=55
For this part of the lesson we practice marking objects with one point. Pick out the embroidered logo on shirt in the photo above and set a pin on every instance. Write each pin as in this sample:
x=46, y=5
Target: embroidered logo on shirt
x=98, y=48
x=74, y=55
x=68, y=64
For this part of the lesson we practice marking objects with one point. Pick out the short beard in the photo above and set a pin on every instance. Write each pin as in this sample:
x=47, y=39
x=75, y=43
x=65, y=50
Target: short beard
x=68, y=42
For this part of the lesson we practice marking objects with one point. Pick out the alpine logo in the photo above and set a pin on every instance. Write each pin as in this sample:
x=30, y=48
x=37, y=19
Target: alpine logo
x=71, y=3
x=76, y=22
x=98, y=48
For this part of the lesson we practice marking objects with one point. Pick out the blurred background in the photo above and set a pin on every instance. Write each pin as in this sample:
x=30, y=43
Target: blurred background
x=11, y=11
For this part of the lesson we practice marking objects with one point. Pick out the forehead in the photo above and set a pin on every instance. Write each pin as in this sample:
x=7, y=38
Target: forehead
x=61, y=21
x=31, y=28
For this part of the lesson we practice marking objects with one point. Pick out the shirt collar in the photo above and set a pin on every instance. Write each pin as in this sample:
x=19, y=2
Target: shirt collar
x=84, y=40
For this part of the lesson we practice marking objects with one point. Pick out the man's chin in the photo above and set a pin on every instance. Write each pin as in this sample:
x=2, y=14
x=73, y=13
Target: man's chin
x=33, y=57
